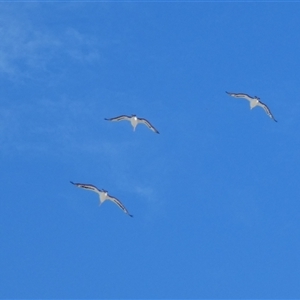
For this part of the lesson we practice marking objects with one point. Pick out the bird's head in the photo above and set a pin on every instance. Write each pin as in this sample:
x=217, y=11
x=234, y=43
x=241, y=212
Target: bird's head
x=257, y=98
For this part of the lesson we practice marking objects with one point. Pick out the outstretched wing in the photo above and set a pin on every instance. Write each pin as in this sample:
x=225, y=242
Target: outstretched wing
x=267, y=110
x=86, y=186
x=242, y=95
x=119, y=118
x=147, y=123
x=119, y=203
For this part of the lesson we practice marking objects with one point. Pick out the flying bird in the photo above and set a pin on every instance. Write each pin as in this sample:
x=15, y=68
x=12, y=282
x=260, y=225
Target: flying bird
x=134, y=120
x=103, y=195
x=254, y=101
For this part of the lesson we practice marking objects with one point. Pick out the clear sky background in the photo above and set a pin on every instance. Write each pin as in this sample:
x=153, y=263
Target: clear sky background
x=215, y=195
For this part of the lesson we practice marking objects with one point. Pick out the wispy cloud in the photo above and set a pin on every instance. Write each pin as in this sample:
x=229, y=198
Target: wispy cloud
x=80, y=47
x=146, y=193
x=27, y=46
x=44, y=125
x=8, y=126
x=154, y=205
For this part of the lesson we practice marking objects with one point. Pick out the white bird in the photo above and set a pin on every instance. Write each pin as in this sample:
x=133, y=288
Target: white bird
x=134, y=120
x=254, y=101
x=103, y=195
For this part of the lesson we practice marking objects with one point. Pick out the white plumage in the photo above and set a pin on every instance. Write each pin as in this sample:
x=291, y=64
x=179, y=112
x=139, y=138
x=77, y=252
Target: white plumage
x=254, y=101
x=103, y=195
x=134, y=120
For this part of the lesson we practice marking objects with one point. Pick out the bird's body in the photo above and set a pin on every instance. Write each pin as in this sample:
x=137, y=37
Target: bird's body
x=134, y=120
x=103, y=195
x=254, y=101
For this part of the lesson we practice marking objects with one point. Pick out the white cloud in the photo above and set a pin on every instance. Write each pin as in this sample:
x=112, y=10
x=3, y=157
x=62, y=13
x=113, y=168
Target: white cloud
x=27, y=46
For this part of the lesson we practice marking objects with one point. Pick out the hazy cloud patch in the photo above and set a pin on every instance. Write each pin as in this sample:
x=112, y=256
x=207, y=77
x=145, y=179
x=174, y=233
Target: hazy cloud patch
x=28, y=48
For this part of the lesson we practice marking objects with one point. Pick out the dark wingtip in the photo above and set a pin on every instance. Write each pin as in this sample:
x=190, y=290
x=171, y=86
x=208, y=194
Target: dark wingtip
x=130, y=215
x=72, y=182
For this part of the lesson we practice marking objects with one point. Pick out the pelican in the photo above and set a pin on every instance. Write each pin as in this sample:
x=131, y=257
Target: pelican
x=103, y=195
x=134, y=120
x=254, y=101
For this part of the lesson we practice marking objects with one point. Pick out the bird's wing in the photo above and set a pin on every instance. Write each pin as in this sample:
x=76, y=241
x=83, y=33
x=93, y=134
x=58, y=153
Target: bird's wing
x=147, y=123
x=119, y=118
x=86, y=186
x=267, y=110
x=241, y=95
x=119, y=203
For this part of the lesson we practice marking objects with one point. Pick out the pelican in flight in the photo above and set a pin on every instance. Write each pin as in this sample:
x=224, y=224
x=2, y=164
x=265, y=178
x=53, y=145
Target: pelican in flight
x=103, y=195
x=254, y=101
x=134, y=120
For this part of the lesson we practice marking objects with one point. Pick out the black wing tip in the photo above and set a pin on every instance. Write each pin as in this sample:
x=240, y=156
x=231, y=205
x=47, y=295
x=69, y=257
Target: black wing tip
x=130, y=215
x=72, y=182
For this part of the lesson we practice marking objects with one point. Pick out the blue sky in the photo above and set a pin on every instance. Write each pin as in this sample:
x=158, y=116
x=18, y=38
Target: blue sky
x=215, y=196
